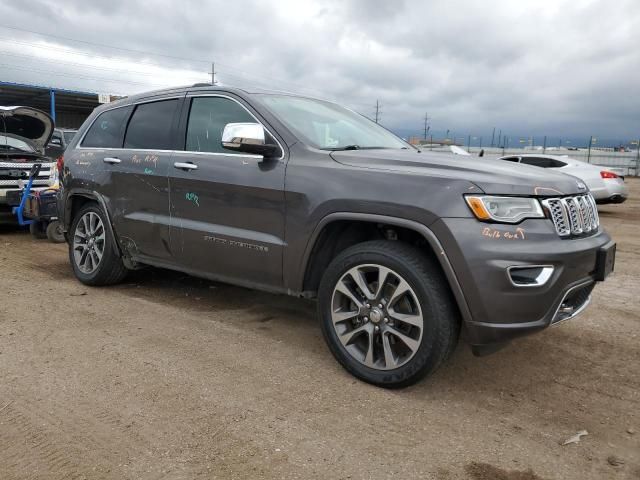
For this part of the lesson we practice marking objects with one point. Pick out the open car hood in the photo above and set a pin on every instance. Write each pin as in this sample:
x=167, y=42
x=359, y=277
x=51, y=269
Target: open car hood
x=27, y=122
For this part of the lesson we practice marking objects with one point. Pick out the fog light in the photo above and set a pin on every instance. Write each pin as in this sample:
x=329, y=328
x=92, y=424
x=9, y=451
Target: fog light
x=530, y=275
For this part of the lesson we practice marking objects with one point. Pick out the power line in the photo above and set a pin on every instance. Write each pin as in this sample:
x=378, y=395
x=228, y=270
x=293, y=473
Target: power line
x=130, y=50
x=174, y=57
x=75, y=64
x=74, y=75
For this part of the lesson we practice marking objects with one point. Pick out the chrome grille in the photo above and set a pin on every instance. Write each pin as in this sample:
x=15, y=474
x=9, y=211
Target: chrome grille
x=6, y=181
x=575, y=215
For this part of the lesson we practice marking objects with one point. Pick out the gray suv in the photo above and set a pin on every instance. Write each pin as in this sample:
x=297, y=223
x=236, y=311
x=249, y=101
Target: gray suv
x=299, y=196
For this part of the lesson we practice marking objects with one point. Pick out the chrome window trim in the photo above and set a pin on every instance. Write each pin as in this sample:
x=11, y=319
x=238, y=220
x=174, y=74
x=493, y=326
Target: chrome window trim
x=134, y=104
x=189, y=96
x=149, y=150
x=541, y=280
x=193, y=95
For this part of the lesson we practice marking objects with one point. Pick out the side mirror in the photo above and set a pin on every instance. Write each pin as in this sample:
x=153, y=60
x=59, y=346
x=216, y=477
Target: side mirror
x=55, y=142
x=248, y=138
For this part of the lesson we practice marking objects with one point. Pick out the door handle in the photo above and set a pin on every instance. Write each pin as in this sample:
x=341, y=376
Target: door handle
x=111, y=160
x=185, y=166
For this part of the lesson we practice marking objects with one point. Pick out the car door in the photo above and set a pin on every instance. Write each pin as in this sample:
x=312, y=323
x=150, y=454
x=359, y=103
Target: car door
x=227, y=208
x=133, y=145
x=141, y=186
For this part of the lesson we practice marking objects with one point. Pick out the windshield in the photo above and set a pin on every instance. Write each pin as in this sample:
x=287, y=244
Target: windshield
x=329, y=126
x=12, y=144
x=68, y=136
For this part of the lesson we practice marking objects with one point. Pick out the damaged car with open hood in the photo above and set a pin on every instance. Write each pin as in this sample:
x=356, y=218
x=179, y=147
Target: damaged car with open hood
x=24, y=133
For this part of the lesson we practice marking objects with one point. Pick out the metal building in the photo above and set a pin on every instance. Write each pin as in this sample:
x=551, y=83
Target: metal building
x=68, y=108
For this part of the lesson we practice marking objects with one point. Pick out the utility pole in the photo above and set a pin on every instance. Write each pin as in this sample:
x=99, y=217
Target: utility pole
x=638, y=159
x=493, y=136
x=426, y=125
x=589, y=153
x=499, y=137
x=377, y=112
x=544, y=145
x=213, y=73
x=469, y=143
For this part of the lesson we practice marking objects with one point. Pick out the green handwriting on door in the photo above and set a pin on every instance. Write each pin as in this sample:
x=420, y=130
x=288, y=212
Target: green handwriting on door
x=192, y=197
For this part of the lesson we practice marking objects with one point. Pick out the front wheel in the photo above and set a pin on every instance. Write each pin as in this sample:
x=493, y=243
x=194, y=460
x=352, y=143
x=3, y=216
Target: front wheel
x=92, y=250
x=387, y=313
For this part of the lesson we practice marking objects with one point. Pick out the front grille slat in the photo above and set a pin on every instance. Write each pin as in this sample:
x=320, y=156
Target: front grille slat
x=574, y=215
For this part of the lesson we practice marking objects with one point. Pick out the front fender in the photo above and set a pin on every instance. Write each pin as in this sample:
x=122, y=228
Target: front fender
x=419, y=228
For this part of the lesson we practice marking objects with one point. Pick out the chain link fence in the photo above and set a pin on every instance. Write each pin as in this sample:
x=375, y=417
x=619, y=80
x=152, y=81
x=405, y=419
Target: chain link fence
x=624, y=160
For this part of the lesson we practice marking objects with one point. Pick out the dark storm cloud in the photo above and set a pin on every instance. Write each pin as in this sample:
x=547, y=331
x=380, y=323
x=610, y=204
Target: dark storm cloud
x=531, y=67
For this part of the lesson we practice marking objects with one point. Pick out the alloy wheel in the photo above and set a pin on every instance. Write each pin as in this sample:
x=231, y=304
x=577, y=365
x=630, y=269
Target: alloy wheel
x=88, y=242
x=377, y=317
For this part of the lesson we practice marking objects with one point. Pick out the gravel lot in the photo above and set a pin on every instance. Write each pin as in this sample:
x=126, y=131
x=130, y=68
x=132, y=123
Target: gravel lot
x=171, y=377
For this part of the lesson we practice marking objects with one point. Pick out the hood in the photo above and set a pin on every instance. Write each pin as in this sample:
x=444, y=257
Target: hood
x=497, y=177
x=27, y=122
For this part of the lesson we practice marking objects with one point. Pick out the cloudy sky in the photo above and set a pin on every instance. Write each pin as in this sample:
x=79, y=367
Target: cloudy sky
x=528, y=67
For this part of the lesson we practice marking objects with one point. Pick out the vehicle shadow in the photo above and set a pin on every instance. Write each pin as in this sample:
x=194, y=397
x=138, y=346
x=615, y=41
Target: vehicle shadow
x=530, y=367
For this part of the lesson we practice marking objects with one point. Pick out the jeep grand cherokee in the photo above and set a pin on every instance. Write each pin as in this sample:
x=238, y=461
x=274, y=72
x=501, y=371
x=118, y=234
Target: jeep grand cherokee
x=300, y=196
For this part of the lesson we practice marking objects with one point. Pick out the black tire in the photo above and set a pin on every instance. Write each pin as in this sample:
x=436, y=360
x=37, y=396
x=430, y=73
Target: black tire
x=110, y=269
x=38, y=230
x=55, y=233
x=441, y=319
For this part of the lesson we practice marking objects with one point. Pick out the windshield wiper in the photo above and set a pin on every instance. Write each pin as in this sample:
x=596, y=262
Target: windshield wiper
x=356, y=147
x=346, y=147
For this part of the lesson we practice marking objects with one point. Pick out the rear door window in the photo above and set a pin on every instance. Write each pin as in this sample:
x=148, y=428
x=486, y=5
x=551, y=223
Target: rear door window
x=150, y=126
x=106, y=130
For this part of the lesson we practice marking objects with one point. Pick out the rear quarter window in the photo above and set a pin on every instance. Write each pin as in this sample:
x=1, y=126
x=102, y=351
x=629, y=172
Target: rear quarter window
x=106, y=130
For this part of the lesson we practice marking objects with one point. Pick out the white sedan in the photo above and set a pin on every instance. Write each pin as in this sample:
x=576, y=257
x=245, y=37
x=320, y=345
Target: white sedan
x=605, y=185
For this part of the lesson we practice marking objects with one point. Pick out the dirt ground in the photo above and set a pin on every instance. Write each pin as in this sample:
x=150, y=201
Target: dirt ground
x=171, y=377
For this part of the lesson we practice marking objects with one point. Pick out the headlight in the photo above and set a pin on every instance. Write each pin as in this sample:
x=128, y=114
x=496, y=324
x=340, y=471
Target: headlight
x=504, y=209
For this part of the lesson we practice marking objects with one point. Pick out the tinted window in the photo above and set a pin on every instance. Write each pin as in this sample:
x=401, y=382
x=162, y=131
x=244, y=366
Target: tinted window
x=68, y=136
x=538, y=162
x=150, y=126
x=556, y=163
x=106, y=131
x=56, y=139
x=207, y=119
x=511, y=159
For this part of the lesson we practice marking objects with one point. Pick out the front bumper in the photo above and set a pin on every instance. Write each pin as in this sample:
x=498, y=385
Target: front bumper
x=4, y=191
x=481, y=255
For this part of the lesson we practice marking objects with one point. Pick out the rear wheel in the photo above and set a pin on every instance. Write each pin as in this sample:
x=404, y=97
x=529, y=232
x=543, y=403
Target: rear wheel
x=54, y=232
x=92, y=250
x=387, y=313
